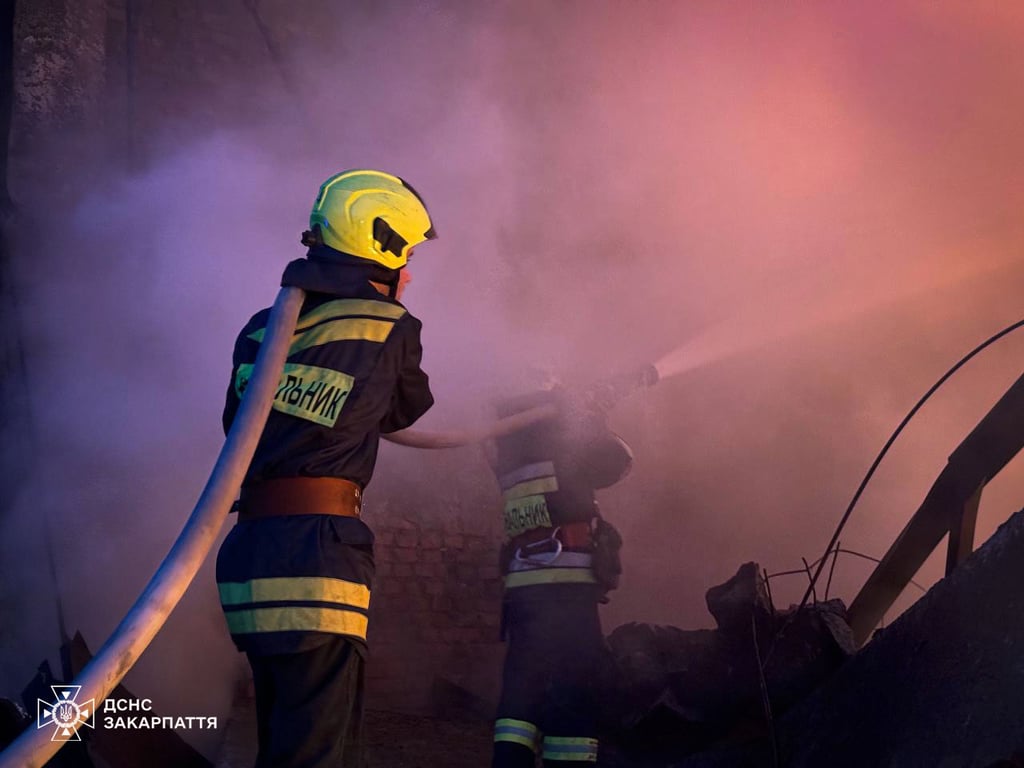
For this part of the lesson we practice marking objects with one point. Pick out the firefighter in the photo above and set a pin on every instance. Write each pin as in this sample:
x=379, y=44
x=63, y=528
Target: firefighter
x=295, y=573
x=560, y=559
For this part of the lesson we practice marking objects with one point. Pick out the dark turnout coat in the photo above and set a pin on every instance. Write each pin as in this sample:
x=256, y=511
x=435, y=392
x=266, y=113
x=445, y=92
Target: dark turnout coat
x=353, y=372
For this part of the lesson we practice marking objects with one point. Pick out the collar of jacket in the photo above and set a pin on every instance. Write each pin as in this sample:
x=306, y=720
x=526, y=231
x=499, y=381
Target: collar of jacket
x=325, y=270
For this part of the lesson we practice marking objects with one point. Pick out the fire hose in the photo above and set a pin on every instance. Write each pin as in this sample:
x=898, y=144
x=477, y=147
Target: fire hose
x=601, y=396
x=34, y=747
x=415, y=438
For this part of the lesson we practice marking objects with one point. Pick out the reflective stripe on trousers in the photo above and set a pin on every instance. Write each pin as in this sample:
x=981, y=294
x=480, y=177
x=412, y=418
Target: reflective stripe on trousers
x=298, y=603
x=562, y=749
x=507, y=729
x=569, y=749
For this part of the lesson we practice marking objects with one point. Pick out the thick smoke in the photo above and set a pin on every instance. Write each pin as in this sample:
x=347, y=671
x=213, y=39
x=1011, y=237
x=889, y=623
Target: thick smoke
x=822, y=201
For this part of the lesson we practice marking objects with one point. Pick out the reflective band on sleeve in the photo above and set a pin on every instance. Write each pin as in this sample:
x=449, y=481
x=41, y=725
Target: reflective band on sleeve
x=296, y=588
x=568, y=749
x=532, y=488
x=550, y=576
x=297, y=619
x=516, y=732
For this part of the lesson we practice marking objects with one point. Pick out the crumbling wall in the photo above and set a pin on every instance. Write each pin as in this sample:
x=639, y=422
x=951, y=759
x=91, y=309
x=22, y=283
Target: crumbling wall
x=60, y=81
x=59, y=62
x=104, y=85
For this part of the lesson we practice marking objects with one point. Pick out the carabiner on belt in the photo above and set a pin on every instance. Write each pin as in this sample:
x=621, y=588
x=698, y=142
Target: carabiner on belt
x=542, y=558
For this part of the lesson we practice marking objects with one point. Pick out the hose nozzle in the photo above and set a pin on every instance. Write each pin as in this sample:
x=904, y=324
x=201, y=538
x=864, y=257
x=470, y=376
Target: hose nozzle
x=606, y=393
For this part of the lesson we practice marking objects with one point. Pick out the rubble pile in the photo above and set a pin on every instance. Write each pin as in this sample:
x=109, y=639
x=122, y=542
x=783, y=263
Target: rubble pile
x=678, y=692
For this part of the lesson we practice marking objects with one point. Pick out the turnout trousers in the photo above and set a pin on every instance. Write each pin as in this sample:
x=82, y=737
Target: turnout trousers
x=550, y=682
x=309, y=706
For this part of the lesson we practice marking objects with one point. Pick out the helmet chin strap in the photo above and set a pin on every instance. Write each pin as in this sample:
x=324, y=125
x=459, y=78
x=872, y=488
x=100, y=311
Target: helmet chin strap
x=312, y=238
x=393, y=285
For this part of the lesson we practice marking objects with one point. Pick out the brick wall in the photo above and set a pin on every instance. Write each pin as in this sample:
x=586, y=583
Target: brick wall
x=434, y=620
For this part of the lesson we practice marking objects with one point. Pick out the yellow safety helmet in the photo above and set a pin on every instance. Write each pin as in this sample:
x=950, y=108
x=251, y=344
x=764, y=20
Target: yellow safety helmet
x=372, y=215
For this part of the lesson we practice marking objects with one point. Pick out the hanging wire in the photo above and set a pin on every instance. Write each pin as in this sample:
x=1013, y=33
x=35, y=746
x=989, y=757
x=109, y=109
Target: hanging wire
x=766, y=702
x=832, y=570
x=885, y=449
x=836, y=551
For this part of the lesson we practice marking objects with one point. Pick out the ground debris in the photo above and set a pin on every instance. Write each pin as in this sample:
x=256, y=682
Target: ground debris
x=395, y=740
x=678, y=692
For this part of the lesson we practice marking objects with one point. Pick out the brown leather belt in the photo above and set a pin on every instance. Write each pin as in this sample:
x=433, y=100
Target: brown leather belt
x=572, y=535
x=300, y=496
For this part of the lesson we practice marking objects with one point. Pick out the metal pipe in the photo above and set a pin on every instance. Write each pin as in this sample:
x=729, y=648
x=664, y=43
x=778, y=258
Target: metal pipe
x=33, y=748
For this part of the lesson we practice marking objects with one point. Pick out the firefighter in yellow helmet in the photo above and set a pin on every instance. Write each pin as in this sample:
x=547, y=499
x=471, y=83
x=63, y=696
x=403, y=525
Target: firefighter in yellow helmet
x=295, y=573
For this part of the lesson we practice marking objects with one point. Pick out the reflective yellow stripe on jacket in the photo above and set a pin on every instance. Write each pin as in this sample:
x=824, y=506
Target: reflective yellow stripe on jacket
x=342, y=320
x=290, y=604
